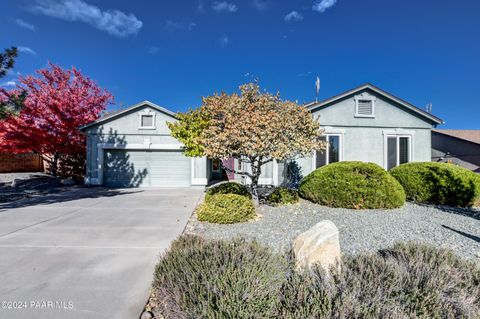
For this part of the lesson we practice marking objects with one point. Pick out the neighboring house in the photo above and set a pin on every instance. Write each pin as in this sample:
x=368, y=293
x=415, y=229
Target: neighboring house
x=24, y=162
x=461, y=147
x=134, y=147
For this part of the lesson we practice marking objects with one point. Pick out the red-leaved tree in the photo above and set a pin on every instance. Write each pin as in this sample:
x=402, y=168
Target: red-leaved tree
x=58, y=101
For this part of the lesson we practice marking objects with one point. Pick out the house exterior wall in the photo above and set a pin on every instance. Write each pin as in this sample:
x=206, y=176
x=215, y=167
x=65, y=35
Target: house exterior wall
x=363, y=138
x=124, y=132
x=387, y=114
x=451, y=149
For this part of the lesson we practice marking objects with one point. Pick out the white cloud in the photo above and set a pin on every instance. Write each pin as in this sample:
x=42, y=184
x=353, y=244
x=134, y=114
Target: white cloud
x=10, y=72
x=179, y=25
x=9, y=83
x=293, y=16
x=200, y=7
x=153, y=50
x=224, y=6
x=25, y=25
x=172, y=25
x=112, y=21
x=26, y=50
x=304, y=74
x=224, y=41
x=322, y=5
x=260, y=5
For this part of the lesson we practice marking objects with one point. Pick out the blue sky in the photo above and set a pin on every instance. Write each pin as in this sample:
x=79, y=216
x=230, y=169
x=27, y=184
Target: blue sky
x=174, y=52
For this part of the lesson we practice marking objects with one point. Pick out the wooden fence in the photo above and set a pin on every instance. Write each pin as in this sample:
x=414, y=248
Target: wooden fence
x=26, y=162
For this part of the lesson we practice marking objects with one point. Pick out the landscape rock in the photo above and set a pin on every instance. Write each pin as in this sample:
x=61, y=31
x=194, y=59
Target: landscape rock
x=146, y=315
x=318, y=245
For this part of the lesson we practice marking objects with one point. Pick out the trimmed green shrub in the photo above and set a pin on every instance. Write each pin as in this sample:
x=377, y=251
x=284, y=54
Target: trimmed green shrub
x=226, y=209
x=218, y=279
x=241, y=279
x=228, y=188
x=283, y=196
x=476, y=203
x=438, y=183
x=355, y=185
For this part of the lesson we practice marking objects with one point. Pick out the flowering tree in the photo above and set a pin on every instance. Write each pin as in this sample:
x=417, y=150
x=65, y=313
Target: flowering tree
x=253, y=127
x=56, y=104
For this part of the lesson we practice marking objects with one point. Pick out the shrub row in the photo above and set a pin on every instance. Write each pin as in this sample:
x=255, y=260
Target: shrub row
x=283, y=196
x=439, y=183
x=231, y=202
x=240, y=279
x=228, y=188
x=366, y=185
x=354, y=185
x=227, y=203
x=226, y=209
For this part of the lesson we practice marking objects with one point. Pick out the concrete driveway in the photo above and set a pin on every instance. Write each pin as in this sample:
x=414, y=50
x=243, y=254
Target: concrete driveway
x=86, y=253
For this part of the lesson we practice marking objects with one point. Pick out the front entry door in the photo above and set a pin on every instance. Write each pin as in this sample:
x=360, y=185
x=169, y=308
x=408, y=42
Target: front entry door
x=216, y=169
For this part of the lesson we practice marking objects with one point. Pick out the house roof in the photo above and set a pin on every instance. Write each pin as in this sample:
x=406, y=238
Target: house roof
x=114, y=115
x=314, y=105
x=467, y=135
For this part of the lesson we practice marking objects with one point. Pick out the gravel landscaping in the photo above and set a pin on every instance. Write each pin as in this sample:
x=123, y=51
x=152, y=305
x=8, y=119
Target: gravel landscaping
x=360, y=230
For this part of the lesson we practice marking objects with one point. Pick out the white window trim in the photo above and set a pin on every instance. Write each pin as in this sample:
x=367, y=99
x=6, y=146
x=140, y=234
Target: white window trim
x=365, y=97
x=340, y=134
x=275, y=172
x=397, y=133
x=238, y=165
x=148, y=112
x=197, y=181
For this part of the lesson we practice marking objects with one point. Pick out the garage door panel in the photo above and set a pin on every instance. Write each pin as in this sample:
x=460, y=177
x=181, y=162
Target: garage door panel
x=128, y=168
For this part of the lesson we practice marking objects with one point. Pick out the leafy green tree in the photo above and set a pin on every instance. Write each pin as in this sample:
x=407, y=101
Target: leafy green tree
x=12, y=101
x=189, y=129
x=7, y=60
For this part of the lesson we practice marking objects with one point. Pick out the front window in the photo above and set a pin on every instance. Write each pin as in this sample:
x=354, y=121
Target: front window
x=333, y=152
x=398, y=150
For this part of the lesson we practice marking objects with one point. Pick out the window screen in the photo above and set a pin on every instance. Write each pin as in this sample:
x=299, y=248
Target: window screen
x=404, y=149
x=321, y=156
x=147, y=120
x=333, y=148
x=331, y=154
x=365, y=107
x=391, y=152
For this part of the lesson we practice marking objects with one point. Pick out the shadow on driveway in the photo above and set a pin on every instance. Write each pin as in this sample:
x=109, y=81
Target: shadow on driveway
x=67, y=196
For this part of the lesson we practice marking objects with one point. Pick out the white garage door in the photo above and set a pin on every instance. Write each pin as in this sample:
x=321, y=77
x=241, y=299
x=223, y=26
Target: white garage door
x=132, y=168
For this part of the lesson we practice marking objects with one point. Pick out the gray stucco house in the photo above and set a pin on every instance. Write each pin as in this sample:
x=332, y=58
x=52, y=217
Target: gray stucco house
x=134, y=148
